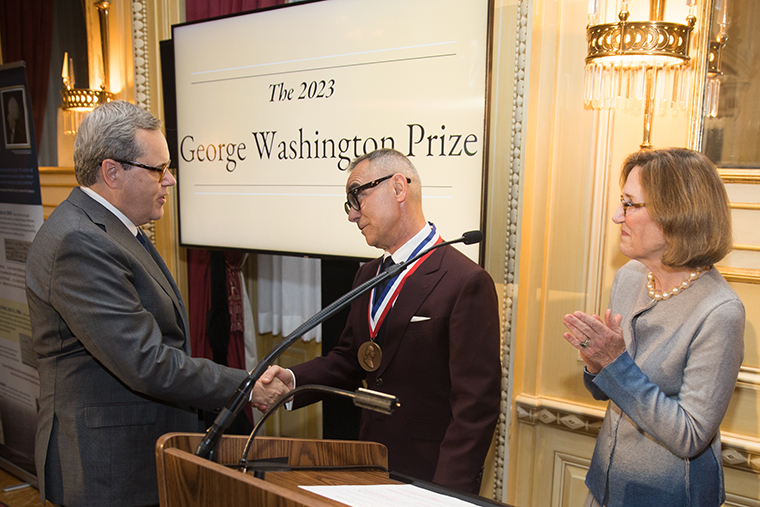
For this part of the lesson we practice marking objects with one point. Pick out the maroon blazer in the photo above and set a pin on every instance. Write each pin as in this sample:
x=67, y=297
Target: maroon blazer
x=444, y=367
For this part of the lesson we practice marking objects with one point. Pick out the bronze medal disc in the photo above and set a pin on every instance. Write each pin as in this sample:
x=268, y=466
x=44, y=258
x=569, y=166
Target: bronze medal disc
x=370, y=355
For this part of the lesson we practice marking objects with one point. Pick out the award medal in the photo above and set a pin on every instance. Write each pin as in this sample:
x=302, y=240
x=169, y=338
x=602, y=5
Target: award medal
x=370, y=353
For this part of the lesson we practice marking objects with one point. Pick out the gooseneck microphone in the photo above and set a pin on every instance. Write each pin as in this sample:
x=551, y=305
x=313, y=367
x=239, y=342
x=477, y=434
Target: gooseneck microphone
x=470, y=237
x=362, y=398
x=243, y=392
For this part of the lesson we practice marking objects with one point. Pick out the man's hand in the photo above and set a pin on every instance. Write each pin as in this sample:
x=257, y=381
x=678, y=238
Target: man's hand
x=270, y=387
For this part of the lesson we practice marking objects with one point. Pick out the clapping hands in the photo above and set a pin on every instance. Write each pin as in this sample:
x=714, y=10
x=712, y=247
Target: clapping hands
x=599, y=342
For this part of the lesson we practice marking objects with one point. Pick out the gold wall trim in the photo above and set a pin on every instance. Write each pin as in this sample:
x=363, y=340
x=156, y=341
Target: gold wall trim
x=749, y=377
x=748, y=248
x=751, y=206
x=56, y=170
x=140, y=54
x=141, y=59
x=740, y=275
x=58, y=185
x=738, y=451
x=559, y=413
x=512, y=226
x=751, y=176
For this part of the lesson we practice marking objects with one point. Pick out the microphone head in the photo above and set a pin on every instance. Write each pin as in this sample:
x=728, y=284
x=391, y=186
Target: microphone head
x=471, y=237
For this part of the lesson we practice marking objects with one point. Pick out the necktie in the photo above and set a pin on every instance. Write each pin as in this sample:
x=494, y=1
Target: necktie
x=387, y=263
x=141, y=239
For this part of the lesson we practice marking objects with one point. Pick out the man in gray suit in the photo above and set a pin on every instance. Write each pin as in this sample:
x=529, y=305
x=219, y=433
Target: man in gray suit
x=109, y=325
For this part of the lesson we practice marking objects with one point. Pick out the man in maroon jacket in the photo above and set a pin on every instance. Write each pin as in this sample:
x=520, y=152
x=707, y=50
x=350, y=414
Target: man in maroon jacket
x=430, y=337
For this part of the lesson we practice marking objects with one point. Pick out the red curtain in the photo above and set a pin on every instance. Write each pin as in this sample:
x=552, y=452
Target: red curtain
x=199, y=301
x=204, y=9
x=204, y=322
x=199, y=304
x=26, y=31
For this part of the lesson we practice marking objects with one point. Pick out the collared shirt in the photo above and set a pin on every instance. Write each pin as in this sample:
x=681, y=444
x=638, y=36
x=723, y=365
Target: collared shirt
x=113, y=209
x=405, y=250
x=400, y=255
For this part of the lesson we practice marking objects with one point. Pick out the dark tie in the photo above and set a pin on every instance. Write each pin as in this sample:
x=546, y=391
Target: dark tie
x=141, y=239
x=387, y=263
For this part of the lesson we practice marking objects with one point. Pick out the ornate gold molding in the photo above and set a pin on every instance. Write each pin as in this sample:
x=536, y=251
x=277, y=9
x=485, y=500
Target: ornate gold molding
x=140, y=53
x=750, y=176
x=140, y=57
x=740, y=275
x=749, y=378
x=561, y=414
x=738, y=451
x=749, y=206
x=56, y=170
x=510, y=258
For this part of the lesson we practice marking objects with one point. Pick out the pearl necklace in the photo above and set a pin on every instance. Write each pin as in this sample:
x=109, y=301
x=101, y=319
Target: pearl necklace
x=658, y=295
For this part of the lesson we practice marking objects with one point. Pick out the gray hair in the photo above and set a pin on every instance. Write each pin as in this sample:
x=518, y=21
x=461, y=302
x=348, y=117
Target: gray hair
x=109, y=132
x=390, y=161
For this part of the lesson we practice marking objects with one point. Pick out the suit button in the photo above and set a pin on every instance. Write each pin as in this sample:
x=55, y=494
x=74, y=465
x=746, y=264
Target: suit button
x=379, y=381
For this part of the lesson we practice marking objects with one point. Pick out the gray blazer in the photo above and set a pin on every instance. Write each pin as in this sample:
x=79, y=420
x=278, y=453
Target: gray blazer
x=111, y=334
x=660, y=440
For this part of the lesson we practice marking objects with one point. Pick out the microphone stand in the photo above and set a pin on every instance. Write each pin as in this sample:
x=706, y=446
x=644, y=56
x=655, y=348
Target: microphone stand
x=243, y=393
x=363, y=398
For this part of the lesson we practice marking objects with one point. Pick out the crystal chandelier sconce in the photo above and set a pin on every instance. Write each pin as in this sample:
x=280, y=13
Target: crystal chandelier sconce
x=77, y=102
x=638, y=64
x=713, y=62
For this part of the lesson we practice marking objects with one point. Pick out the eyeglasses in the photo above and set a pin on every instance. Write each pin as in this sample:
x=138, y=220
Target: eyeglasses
x=629, y=204
x=352, y=196
x=161, y=169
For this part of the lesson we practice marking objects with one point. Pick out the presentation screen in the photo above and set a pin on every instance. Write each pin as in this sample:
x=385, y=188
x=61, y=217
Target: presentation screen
x=273, y=105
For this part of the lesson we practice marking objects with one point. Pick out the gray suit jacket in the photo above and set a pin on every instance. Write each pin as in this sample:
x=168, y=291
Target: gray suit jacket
x=111, y=334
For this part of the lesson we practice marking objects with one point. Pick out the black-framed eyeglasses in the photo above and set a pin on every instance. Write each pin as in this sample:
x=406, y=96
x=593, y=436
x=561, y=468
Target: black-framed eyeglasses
x=629, y=204
x=352, y=196
x=161, y=169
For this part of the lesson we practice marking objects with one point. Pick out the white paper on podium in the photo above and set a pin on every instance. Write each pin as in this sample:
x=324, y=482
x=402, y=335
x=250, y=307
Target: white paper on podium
x=382, y=495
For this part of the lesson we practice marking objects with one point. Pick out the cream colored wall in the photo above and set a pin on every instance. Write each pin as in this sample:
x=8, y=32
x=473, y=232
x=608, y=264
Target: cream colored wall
x=567, y=258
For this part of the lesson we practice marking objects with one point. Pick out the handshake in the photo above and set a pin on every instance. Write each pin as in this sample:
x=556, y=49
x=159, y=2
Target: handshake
x=273, y=384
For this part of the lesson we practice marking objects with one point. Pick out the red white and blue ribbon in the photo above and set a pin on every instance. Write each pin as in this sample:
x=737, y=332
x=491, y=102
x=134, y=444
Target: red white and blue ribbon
x=381, y=304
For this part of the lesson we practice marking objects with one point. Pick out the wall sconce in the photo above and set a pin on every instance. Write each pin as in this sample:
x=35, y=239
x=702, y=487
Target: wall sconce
x=638, y=62
x=77, y=102
x=713, y=62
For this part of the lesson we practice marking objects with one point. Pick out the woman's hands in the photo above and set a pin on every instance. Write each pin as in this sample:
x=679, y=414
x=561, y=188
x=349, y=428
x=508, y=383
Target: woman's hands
x=599, y=342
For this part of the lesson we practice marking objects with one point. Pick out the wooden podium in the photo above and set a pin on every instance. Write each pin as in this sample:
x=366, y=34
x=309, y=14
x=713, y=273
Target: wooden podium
x=185, y=480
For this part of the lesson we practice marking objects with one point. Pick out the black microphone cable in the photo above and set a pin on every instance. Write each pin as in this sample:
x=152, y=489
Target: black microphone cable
x=363, y=398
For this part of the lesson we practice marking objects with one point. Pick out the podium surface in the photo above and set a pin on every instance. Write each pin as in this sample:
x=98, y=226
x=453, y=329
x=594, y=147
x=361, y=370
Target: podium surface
x=186, y=480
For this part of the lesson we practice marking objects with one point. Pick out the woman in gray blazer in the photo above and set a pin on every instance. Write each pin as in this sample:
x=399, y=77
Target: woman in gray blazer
x=668, y=350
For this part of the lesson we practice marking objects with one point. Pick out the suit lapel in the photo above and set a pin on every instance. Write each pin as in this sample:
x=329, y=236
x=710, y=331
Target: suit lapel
x=148, y=256
x=414, y=292
x=166, y=280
